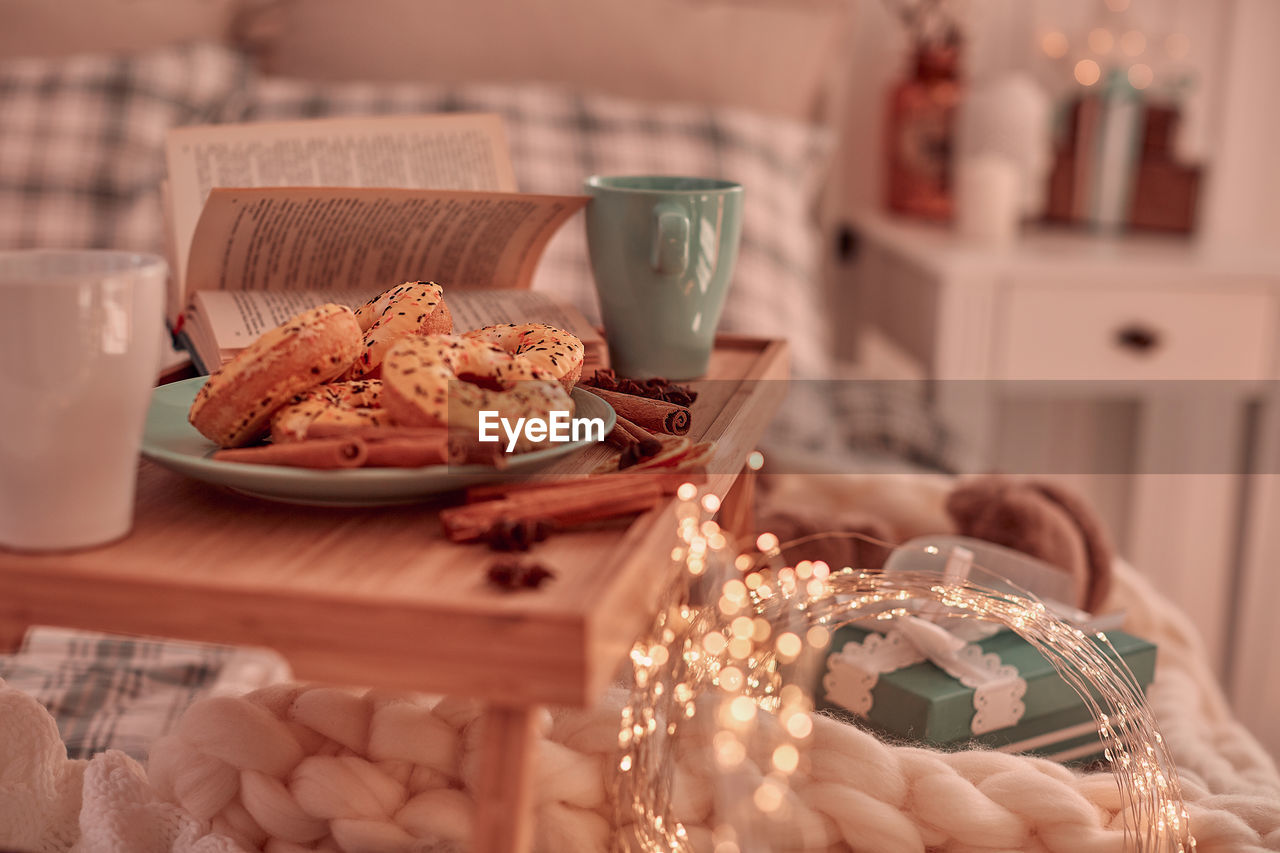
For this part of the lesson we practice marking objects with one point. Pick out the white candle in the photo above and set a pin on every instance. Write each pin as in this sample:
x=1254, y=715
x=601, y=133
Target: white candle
x=988, y=199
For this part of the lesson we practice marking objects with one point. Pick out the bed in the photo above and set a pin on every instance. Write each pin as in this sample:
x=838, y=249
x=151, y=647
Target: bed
x=750, y=89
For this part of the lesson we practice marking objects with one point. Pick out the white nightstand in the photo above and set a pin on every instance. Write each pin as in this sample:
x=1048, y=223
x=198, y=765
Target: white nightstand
x=1134, y=365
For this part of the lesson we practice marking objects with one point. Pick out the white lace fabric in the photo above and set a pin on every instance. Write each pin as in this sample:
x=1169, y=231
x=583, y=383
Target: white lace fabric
x=854, y=671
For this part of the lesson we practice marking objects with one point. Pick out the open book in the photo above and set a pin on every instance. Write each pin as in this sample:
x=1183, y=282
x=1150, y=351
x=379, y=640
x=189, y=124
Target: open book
x=269, y=219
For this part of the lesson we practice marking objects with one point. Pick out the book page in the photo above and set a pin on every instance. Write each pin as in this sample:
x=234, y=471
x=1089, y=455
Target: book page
x=460, y=151
x=295, y=238
x=238, y=317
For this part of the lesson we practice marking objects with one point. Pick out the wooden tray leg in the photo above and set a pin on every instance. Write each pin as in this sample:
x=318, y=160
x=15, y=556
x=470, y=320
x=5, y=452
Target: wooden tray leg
x=737, y=511
x=504, y=795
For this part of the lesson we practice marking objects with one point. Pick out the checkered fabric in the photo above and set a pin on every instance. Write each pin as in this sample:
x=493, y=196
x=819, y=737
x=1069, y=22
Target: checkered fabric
x=896, y=419
x=854, y=425
x=114, y=692
x=82, y=141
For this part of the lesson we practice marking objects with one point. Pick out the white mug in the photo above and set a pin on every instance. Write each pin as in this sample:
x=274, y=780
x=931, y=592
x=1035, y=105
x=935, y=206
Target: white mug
x=80, y=335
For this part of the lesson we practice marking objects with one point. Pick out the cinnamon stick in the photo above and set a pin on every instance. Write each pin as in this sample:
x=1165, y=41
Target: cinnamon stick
x=464, y=447
x=368, y=432
x=653, y=415
x=504, y=488
x=407, y=452
x=620, y=438
x=317, y=453
x=636, y=431
x=388, y=446
x=591, y=501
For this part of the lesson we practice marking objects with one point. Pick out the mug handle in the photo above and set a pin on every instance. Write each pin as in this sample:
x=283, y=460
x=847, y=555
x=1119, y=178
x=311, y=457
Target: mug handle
x=670, y=254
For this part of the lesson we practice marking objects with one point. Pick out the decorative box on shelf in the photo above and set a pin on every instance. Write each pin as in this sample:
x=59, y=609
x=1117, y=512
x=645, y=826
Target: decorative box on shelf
x=1015, y=700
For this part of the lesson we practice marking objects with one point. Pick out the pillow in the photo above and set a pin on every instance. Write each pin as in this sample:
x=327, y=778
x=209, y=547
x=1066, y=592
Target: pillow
x=82, y=141
x=780, y=57
x=69, y=27
x=559, y=137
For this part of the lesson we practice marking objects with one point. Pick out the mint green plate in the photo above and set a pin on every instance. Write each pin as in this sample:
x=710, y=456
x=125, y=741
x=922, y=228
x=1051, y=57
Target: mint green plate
x=171, y=441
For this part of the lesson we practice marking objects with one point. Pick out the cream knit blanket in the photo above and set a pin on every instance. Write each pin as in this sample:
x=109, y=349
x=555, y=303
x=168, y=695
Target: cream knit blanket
x=293, y=768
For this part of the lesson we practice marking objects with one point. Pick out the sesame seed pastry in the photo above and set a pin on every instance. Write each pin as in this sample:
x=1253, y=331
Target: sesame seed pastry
x=235, y=405
x=552, y=349
x=337, y=404
x=413, y=308
x=447, y=380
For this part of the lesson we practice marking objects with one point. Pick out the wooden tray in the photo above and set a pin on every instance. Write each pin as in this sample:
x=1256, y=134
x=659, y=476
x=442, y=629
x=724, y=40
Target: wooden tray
x=376, y=596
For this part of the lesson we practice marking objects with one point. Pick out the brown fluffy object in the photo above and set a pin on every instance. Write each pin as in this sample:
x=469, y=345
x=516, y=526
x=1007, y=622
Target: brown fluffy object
x=1042, y=520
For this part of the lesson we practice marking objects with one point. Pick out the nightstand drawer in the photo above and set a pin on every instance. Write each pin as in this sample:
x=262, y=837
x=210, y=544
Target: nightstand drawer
x=1075, y=333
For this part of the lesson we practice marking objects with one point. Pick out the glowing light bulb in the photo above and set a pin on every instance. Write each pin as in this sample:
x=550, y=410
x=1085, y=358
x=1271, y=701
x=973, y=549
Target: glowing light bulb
x=1133, y=43
x=1087, y=72
x=768, y=797
x=799, y=726
x=1054, y=44
x=789, y=645
x=742, y=709
x=731, y=679
x=786, y=758
x=1141, y=76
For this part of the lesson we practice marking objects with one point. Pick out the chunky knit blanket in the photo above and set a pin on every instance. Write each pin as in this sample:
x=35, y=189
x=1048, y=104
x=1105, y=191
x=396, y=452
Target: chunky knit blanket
x=294, y=767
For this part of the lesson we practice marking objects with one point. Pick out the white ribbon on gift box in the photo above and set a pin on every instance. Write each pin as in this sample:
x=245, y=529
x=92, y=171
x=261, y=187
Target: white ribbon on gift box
x=854, y=671
x=998, y=689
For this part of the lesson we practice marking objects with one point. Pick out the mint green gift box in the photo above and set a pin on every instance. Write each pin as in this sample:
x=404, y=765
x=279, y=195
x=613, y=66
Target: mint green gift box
x=923, y=704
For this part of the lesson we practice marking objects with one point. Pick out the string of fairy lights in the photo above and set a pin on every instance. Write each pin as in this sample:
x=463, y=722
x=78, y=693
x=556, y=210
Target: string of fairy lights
x=737, y=637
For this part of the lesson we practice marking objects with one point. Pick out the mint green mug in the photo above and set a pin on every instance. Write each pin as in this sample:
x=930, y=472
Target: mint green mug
x=662, y=252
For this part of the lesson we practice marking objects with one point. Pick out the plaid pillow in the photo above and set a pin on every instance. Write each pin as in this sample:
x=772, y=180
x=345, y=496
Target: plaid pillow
x=559, y=137
x=114, y=692
x=82, y=141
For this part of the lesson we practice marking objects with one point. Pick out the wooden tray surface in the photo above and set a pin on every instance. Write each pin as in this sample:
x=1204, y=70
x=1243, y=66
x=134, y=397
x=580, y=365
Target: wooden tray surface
x=377, y=596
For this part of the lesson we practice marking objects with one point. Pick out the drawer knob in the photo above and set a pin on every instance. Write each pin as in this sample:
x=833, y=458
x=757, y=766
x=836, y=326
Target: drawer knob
x=1138, y=338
